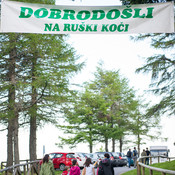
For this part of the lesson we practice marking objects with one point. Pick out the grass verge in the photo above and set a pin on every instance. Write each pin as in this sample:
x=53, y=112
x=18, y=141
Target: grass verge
x=58, y=172
x=165, y=165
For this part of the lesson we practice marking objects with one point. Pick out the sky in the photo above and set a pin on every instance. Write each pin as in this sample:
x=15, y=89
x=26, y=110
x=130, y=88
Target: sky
x=117, y=52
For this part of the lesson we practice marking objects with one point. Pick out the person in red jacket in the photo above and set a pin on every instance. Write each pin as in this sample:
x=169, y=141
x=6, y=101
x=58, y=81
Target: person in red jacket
x=66, y=171
x=75, y=169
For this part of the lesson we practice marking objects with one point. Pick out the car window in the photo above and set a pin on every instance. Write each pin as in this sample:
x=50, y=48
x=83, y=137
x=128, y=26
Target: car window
x=110, y=154
x=79, y=155
x=70, y=155
x=96, y=155
x=87, y=155
x=58, y=155
x=123, y=155
x=83, y=154
x=51, y=156
x=91, y=155
x=101, y=155
x=116, y=154
x=120, y=154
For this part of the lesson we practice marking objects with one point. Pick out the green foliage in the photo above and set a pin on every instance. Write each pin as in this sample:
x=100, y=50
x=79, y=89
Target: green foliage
x=101, y=149
x=161, y=67
x=101, y=112
x=44, y=63
x=144, y=128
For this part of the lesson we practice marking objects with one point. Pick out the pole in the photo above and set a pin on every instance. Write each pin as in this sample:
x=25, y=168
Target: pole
x=43, y=150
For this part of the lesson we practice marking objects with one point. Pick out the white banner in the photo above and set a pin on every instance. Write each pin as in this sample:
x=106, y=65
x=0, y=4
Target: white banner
x=53, y=19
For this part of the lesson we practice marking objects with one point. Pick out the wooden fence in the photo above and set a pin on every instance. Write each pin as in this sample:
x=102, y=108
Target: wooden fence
x=141, y=166
x=29, y=168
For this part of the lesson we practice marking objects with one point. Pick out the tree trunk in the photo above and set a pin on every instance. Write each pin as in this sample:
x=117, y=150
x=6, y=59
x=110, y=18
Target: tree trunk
x=121, y=144
x=12, y=139
x=10, y=143
x=90, y=147
x=113, y=139
x=113, y=145
x=32, y=141
x=33, y=115
x=138, y=137
x=106, y=144
x=90, y=142
x=15, y=136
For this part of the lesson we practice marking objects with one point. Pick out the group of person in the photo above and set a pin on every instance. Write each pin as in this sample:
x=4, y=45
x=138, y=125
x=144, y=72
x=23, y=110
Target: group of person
x=134, y=155
x=145, y=153
x=47, y=167
x=105, y=167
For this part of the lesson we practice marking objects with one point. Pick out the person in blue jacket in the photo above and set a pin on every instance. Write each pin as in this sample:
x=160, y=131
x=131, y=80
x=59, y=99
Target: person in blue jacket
x=129, y=156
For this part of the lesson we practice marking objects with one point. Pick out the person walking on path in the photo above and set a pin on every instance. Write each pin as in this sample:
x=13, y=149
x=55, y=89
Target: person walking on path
x=129, y=156
x=88, y=167
x=143, y=154
x=75, y=169
x=107, y=165
x=47, y=167
x=148, y=154
x=135, y=156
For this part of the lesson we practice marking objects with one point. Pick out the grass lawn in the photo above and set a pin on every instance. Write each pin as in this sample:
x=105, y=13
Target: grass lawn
x=165, y=165
x=58, y=172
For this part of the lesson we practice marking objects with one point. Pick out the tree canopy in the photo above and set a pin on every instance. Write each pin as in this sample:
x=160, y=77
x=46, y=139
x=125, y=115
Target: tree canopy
x=35, y=74
x=161, y=67
x=105, y=111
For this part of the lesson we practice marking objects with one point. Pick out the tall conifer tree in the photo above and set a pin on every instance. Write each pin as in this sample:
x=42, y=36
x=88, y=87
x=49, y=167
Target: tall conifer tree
x=35, y=73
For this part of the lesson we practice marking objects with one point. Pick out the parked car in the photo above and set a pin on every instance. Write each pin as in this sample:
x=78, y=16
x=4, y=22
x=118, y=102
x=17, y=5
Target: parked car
x=101, y=155
x=120, y=158
x=60, y=159
x=81, y=158
x=94, y=158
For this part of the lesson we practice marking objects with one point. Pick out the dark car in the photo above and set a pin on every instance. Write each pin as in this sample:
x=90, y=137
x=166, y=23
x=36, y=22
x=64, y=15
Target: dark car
x=60, y=159
x=120, y=158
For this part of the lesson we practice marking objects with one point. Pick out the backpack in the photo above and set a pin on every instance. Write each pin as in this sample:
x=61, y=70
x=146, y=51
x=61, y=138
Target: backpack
x=129, y=154
x=134, y=153
x=100, y=170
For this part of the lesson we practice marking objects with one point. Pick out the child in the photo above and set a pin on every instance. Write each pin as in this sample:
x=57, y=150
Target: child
x=89, y=167
x=66, y=171
x=74, y=170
